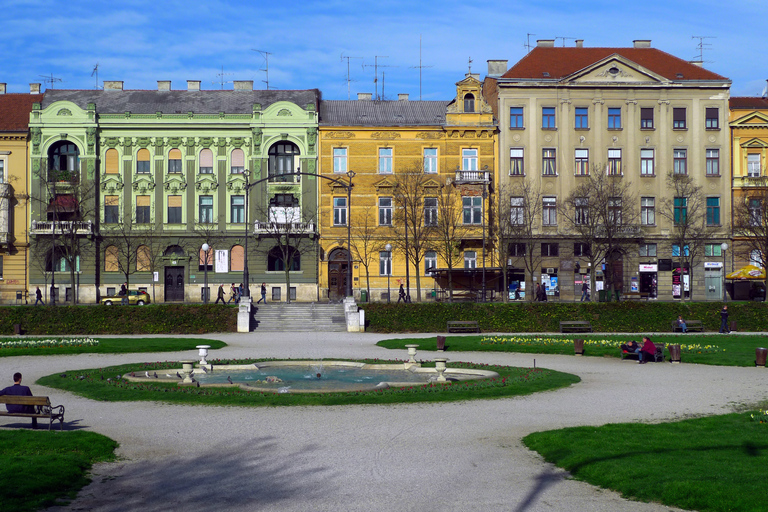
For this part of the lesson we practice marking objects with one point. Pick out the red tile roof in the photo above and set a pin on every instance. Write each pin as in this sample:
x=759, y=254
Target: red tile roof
x=15, y=109
x=561, y=62
x=748, y=102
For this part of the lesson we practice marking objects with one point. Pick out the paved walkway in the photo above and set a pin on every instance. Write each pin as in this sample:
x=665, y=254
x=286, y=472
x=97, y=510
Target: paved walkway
x=452, y=457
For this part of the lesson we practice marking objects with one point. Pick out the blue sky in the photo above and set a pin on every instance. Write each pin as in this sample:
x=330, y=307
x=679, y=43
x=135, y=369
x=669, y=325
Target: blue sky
x=141, y=41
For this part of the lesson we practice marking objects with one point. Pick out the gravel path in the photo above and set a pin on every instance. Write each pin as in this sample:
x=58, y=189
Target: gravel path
x=450, y=457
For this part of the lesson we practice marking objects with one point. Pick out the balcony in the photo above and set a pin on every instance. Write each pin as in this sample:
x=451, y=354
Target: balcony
x=283, y=228
x=473, y=176
x=5, y=212
x=46, y=227
x=755, y=181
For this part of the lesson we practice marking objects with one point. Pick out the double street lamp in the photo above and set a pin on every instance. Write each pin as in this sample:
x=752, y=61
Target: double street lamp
x=388, y=248
x=724, y=247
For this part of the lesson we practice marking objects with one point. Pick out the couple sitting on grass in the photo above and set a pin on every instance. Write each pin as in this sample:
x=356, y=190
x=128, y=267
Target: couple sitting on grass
x=645, y=353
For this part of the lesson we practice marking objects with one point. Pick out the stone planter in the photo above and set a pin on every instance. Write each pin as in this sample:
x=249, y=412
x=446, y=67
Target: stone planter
x=187, y=371
x=202, y=351
x=412, y=353
x=674, y=354
x=440, y=368
x=578, y=347
x=760, y=354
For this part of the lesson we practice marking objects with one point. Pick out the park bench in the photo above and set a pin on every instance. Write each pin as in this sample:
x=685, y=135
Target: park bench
x=575, y=326
x=42, y=405
x=691, y=325
x=658, y=357
x=463, y=326
x=634, y=296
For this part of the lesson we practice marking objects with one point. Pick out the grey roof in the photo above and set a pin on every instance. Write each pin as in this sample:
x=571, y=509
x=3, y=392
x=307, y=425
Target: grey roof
x=382, y=113
x=179, y=102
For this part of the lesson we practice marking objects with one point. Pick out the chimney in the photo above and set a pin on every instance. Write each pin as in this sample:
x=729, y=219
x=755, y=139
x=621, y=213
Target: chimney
x=402, y=97
x=497, y=67
x=163, y=85
x=243, y=85
x=579, y=43
x=34, y=88
x=113, y=85
x=193, y=85
x=364, y=96
x=545, y=43
x=2, y=88
x=642, y=43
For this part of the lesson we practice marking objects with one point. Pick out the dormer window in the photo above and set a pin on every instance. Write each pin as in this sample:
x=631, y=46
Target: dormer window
x=469, y=103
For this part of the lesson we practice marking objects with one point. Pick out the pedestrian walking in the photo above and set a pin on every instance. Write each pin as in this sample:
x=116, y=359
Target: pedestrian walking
x=39, y=296
x=263, y=293
x=232, y=294
x=220, y=296
x=241, y=292
x=401, y=294
x=584, y=290
x=724, y=329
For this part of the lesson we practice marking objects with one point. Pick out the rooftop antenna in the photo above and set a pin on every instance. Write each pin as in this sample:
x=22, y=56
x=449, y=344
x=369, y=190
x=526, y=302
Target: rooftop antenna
x=420, y=67
x=348, y=77
x=50, y=80
x=95, y=73
x=527, y=44
x=266, y=59
x=376, y=67
x=221, y=80
x=469, y=64
x=564, y=39
x=701, y=46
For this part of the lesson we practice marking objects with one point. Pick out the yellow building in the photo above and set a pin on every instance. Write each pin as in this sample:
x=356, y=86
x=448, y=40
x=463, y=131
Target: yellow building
x=14, y=195
x=409, y=160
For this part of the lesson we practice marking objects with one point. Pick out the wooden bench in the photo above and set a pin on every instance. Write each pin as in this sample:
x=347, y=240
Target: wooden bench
x=658, y=357
x=632, y=296
x=463, y=326
x=691, y=325
x=575, y=326
x=42, y=405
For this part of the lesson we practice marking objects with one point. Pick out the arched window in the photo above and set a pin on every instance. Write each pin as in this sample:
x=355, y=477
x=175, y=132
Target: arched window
x=174, y=250
x=236, y=258
x=110, y=259
x=238, y=161
x=143, y=259
x=63, y=161
x=142, y=161
x=111, y=162
x=283, y=159
x=174, y=161
x=206, y=161
x=203, y=256
x=469, y=103
x=276, y=260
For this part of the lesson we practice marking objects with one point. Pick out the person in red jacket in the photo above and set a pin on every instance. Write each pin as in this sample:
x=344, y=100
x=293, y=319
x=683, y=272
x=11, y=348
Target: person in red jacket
x=648, y=352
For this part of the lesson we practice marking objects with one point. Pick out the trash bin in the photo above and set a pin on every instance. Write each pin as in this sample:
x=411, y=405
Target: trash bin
x=363, y=295
x=601, y=296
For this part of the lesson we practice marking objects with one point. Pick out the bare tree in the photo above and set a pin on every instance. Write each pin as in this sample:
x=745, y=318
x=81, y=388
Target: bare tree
x=121, y=245
x=366, y=243
x=449, y=229
x=750, y=222
x=518, y=228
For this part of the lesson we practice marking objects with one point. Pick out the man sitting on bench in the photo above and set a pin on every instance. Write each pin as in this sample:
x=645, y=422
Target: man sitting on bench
x=631, y=347
x=18, y=390
x=680, y=323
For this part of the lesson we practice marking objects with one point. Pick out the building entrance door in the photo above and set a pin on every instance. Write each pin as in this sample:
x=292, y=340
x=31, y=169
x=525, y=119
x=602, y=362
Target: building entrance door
x=174, y=284
x=338, y=275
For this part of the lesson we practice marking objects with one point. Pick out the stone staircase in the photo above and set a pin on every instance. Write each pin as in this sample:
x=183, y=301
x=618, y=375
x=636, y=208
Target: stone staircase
x=300, y=317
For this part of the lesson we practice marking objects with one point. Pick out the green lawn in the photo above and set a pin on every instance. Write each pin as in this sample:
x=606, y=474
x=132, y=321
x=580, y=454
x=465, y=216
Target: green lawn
x=716, y=464
x=715, y=349
x=102, y=384
x=39, y=468
x=107, y=346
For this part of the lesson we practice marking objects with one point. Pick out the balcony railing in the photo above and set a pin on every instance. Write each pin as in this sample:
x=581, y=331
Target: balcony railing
x=473, y=176
x=45, y=227
x=292, y=228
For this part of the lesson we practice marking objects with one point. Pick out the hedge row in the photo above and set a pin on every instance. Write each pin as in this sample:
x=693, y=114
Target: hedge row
x=154, y=319
x=545, y=317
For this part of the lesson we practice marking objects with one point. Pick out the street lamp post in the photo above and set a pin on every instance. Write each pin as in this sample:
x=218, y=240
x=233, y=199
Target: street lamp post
x=388, y=248
x=485, y=197
x=205, y=248
x=350, y=175
x=724, y=247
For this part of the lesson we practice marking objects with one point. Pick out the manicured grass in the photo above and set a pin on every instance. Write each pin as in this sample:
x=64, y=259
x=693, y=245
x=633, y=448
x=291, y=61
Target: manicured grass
x=715, y=349
x=38, y=468
x=112, y=346
x=717, y=463
x=95, y=384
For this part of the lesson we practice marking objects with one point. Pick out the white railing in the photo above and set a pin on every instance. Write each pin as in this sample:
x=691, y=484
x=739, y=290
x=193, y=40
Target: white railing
x=45, y=227
x=473, y=176
x=303, y=228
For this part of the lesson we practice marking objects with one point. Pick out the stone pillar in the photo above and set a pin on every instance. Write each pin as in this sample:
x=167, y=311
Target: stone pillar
x=244, y=315
x=352, y=314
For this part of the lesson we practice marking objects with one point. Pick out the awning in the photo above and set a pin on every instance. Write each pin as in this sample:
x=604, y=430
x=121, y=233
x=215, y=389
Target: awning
x=748, y=272
x=63, y=203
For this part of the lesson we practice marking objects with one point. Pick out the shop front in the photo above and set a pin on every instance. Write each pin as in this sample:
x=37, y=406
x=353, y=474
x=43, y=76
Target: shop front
x=713, y=280
x=648, y=273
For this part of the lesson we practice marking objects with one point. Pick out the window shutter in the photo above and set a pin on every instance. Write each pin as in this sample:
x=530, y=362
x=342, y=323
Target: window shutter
x=238, y=158
x=112, y=163
x=174, y=201
x=142, y=201
x=174, y=154
x=112, y=200
x=206, y=158
x=143, y=155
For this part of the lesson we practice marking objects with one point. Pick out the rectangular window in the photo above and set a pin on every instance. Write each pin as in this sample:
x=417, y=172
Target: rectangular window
x=237, y=161
x=142, y=166
x=339, y=211
x=713, y=211
x=647, y=250
x=385, y=160
x=206, y=209
x=755, y=212
x=549, y=211
x=647, y=211
x=581, y=215
x=647, y=162
x=680, y=162
x=614, y=118
x=517, y=250
x=753, y=165
x=385, y=211
x=517, y=211
x=430, y=160
x=713, y=250
x=676, y=250
x=614, y=210
x=468, y=159
x=237, y=209
x=581, y=121
x=549, y=162
x=582, y=162
x=712, y=121
x=680, y=210
x=548, y=118
x=430, y=211
x=473, y=210
x=548, y=249
x=516, y=117
x=143, y=210
x=111, y=209
x=713, y=162
x=646, y=118
x=339, y=160
x=430, y=261
x=614, y=162
x=678, y=118
x=581, y=249
x=470, y=259
x=2, y=170
x=385, y=263
x=516, y=162
x=174, y=209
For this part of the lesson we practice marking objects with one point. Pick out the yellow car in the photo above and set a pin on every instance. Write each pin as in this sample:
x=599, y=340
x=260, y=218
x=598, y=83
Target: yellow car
x=135, y=298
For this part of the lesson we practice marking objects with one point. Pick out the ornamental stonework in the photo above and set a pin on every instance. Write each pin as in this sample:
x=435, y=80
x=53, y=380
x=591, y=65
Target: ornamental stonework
x=385, y=135
x=429, y=135
x=339, y=135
